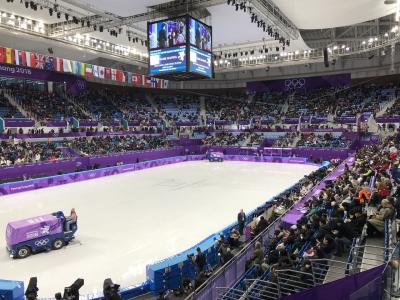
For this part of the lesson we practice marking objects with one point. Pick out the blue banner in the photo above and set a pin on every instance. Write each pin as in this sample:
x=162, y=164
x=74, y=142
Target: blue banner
x=167, y=60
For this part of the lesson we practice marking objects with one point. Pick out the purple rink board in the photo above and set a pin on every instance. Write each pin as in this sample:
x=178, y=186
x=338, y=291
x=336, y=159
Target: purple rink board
x=294, y=215
x=33, y=184
x=32, y=228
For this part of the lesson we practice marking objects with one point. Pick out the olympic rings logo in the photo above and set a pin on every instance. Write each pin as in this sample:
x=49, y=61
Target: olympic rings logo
x=296, y=83
x=42, y=242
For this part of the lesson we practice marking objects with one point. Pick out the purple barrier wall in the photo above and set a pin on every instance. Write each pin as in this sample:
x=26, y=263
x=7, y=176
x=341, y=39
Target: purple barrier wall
x=34, y=184
x=346, y=120
x=87, y=123
x=342, y=289
x=56, y=123
x=388, y=119
x=321, y=153
x=323, y=130
x=291, y=121
x=37, y=169
x=67, y=166
x=19, y=123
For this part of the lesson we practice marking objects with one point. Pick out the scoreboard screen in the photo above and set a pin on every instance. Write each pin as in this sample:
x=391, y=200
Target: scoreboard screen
x=200, y=62
x=180, y=48
x=168, y=60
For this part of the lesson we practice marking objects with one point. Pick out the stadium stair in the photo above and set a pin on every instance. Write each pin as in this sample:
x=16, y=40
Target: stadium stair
x=15, y=104
x=386, y=106
x=153, y=104
x=79, y=105
x=203, y=110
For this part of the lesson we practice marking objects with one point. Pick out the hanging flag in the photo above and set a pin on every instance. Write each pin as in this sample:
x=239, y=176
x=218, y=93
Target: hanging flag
x=113, y=74
x=32, y=59
x=147, y=81
x=67, y=66
x=102, y=72
x=2, y=54
x=39, y=61
x=28, y=57
x=48, y=63
x=58, y=64
x=108, y=74
x=83, y=69
x=154, y=82
x=136, y=79
x=20, y=58
x=120, y=75
x=126, y=77
x=95, y=71
x=88, y=70
x=76, y=67
x=10, y=56
x=165, y=84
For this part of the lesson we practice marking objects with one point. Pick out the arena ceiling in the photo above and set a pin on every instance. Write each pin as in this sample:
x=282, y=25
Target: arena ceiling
x=314, y=19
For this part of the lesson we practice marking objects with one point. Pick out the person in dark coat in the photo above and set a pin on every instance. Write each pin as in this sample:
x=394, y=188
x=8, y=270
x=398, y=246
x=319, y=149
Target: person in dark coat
x=200, y=260
x=241, y=218
x=261, y=225
x=162, y=37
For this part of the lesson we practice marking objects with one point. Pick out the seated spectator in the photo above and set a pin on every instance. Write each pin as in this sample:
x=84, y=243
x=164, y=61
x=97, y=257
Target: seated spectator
x=376, y=224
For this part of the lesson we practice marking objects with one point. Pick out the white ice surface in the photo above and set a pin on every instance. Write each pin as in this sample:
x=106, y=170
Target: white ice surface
x=130, y=220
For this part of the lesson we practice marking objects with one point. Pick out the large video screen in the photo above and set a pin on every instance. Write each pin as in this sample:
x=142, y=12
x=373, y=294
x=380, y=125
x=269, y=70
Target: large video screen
x=200, y=62
x=200, y=35
x=167, y=33
x=169, y=60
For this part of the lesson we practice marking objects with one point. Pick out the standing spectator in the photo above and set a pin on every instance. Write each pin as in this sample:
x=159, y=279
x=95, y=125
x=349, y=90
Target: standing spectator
x=241, y=221
x=200, y=260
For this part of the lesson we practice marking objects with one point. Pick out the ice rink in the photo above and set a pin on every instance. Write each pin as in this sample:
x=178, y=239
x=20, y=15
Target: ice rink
x=130, y=220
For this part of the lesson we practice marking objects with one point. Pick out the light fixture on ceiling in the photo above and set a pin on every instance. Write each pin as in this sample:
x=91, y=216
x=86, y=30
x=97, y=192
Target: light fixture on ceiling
x=390, y=2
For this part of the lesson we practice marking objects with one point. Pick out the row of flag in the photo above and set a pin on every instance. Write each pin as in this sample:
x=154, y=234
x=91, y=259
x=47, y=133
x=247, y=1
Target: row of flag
x=50, y=63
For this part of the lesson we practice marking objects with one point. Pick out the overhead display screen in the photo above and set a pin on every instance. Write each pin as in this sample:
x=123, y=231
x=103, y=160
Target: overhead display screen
x=200, y=62
x=200, y=35
x=167, y=60
x=180, y=48
x=167, y=33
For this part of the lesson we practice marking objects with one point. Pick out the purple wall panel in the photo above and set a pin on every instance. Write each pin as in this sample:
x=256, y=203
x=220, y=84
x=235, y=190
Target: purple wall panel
x=341, y=289
x=19, y=123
